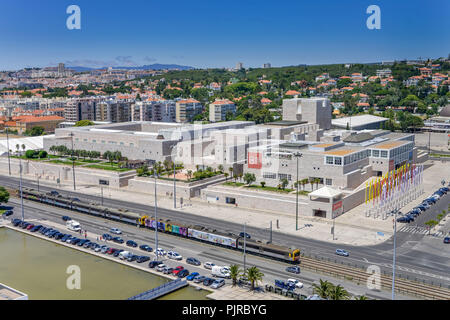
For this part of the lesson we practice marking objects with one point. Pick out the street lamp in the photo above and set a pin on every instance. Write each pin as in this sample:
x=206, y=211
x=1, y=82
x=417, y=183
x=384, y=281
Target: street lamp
x=73, y=162
x=297, y=155
x=156, y=217
x=245, y=245
x=20, y=184
x=7, y=145
x=393, y=263
x=174, y=188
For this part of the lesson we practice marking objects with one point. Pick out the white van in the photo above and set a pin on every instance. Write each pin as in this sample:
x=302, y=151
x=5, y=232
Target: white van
x=125, y=255
x=221, y=272
x=73, y=225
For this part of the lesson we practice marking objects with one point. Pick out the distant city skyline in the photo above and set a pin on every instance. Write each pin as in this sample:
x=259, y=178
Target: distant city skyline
x=205, y=34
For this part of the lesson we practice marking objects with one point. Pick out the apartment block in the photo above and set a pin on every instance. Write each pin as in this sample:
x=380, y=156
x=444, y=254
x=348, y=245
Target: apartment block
x=219, y=109
x=186, y=110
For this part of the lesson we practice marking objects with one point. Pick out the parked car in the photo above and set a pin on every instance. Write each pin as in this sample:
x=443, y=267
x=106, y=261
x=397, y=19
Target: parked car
x=294, y=269
x=110, y=250
x=54, y=193
x=75, y=241
x=142, y=259
x=174, y=255
x=117, y=252
x=183, y=273
x=208, y=265
x=30, y=226
x=59, y=236
x=132, y=258
x=168, y=270
x=82, y=242
x=208, y=281
x=7, y=213
x=192, y=276
x=107, y=236
x=193, y=261
x=218, y=283
x=342, y=252
x=296, y=283
x=177, y=270
x=16, y=222
x=36, y=228
x=447, y=240
x=160, y=267
x=104, y=249
x=115, y=231
x=117, y=240
x=154, y=264
x=242, y=234
x=403, y=220
x=131, y=243
x=160, y=252
x=66, y=218
x=65, y=237
x=199, y=279
x=87, y=244
x=145, y=248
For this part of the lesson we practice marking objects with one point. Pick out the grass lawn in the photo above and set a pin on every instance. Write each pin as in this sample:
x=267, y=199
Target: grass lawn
x=273, y=189
x=439, y=155
x=107, y=166
x=66, y=162
x=234, y=184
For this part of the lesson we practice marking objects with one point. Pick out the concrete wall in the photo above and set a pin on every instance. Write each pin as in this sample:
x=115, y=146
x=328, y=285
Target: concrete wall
x=259, y=200
x=53, y=172
x=165, y=187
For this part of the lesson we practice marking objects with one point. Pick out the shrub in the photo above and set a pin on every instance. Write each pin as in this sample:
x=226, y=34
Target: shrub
x=43, y=154
x=31, y=154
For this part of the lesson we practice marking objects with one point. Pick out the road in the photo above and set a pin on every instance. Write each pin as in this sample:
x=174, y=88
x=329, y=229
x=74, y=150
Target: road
x=220, y=256
x=417, y=256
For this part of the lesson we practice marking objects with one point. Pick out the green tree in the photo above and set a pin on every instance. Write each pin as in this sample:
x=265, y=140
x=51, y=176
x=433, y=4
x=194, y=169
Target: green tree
x=338, y=293
x=263, y=184
x=235, y=273
x=431, y=224
x=284, y=182
x=254, y=275
x=4, y=195
x=249, y=178
x=84, y=123
x=323, y=288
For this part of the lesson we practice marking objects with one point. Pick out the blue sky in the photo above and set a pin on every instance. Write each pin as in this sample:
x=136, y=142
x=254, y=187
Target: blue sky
x=212, y=33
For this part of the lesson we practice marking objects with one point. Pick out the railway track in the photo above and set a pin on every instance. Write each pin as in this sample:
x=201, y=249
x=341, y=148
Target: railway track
x=403, y=286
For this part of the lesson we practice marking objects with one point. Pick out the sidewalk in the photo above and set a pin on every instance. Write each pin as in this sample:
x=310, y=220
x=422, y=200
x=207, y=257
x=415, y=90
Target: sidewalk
x=352, y=228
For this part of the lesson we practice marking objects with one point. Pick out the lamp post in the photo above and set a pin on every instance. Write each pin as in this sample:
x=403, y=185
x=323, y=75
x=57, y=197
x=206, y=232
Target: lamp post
x=245, y=237
x=393, y=262
x=73, y=162
x=7, y=145
x=297, y=155
x=174, y=188
x=20, y=185
x=156, y=218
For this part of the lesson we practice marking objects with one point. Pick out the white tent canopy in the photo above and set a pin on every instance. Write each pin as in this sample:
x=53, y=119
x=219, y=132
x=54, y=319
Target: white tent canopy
x=31, y=143
x=325, y=192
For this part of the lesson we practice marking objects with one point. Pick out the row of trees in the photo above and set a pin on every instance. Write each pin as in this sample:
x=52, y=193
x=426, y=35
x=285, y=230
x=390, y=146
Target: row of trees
x=329, y=291
x=64, y=151
x=252, y=274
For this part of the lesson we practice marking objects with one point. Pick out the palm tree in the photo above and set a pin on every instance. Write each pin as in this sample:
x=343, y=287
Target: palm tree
x=231, y=172
x=323, y=288
x=18, y=148
x=361, y=298
x=338, y=293
x=226, y=176
x=220, y=168
x=254, y=276
x=23, y=147
x=235, y=273
x=189, y=174
x=311, y=181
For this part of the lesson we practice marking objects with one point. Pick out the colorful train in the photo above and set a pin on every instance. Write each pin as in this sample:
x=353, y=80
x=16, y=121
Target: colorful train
x=193, y=232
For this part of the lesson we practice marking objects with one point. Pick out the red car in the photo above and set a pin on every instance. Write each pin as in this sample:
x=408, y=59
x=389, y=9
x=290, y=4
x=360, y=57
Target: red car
x=111, y=251
x=177, y=270
x=30, y=226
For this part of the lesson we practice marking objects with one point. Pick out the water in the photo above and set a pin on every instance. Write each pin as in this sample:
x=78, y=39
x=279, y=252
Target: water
x=38, y=268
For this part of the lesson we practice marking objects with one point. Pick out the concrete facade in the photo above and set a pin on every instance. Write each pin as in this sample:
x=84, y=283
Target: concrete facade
x=312, y=110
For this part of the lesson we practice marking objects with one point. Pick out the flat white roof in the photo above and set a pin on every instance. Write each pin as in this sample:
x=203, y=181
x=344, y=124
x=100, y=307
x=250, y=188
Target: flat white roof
x=357, y=121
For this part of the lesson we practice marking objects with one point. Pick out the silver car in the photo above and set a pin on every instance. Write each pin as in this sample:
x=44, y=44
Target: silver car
x=104, y=249
x=218, y=283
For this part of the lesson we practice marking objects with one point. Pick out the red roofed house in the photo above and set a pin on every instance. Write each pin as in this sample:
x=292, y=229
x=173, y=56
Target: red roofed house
x=24, y=123
x=292, y=93
x=187, y=109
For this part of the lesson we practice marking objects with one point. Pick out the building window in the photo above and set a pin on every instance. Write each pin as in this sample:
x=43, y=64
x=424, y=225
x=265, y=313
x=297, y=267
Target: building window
x=329, y=160
x=384, y=154
x=376, y=153
x=328, y=182
x=338, y=161
x=94, y=141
